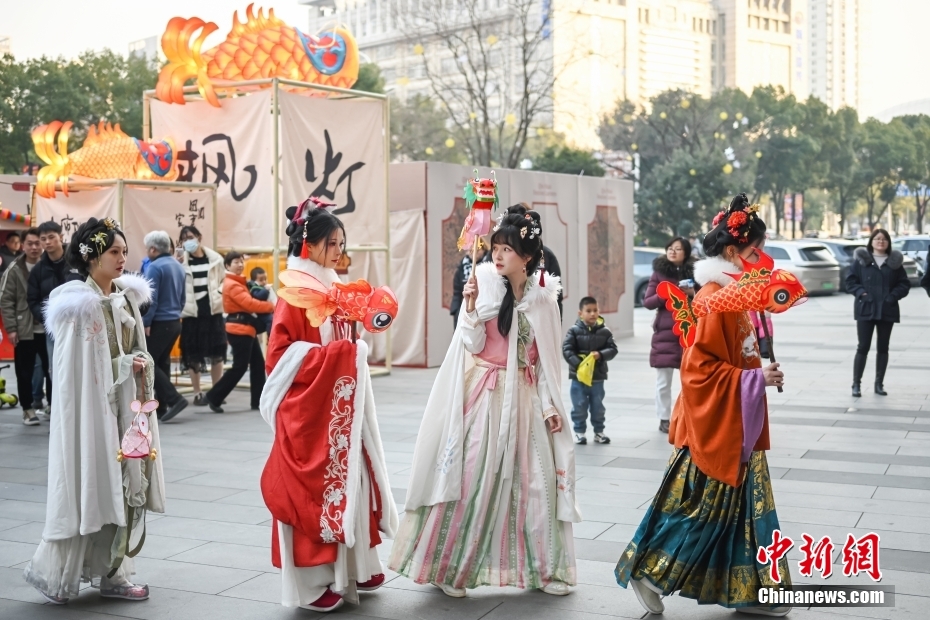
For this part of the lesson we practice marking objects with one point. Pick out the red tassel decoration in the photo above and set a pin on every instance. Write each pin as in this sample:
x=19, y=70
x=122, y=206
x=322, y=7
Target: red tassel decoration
x=542, y=278
x=304, y=251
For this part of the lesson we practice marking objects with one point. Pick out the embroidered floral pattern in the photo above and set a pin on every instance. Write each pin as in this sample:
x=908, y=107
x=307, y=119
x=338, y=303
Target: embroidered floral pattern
x=445, y=459
x=564, y=482
x=340, y=427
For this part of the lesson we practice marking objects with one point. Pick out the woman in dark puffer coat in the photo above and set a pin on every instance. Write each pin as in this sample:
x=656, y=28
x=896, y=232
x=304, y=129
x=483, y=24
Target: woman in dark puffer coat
x=665, y=355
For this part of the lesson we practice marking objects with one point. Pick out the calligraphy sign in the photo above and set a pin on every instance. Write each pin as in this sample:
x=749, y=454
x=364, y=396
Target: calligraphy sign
x=73, y=210
x=145, y=210
x=229, y=146
x=334, y=149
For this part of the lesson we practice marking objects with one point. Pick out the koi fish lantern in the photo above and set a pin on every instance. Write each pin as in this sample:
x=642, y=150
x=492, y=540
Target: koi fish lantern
x=262, y=47
x=480, y=198
x=374, y=307
x=759, y=288
x=107, y=153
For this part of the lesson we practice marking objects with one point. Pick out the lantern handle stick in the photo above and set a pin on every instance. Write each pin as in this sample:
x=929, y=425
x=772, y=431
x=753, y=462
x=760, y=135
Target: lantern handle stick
x=768, y=339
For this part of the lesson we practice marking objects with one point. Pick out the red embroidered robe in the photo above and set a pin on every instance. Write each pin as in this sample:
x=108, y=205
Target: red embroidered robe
x=294, y=482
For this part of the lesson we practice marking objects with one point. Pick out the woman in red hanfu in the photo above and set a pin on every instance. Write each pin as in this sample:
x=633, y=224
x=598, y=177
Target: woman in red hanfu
x=325, y=481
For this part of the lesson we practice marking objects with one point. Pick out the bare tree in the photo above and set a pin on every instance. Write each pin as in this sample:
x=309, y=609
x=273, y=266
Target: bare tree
x=490, y=67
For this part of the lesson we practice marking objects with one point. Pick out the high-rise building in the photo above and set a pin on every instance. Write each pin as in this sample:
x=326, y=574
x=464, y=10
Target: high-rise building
x=6, y=44
x=601, y=51
x=146, y=48
x=834, y=46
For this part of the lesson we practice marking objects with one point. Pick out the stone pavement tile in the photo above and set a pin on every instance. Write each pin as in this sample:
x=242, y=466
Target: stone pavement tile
x=25, y=492
x=630, y=513
x=591, y=497
x=166, y=603
x=858, y=457
x=226, y=480
x=214, y=511
x=828, y=465
x=12, y=553
x=637, y=487
x=22, y=461
x=826, y=502
x=14, y=587
x=904, y=495
x=38, y=611
x=620, y=532
x=907, y=563
x=265, y=587
x=638, y=463
x=836, y=477
x=22, y=510
x=596, y=573
x=7, y=524
x=905, y=606
x=897, y=523
x=599, y=550
x=818, y=515
x=253, y=446
x=163, y=547
x=914, y=450
x=199, y=493
x=852, y=491
x=28, y=533
x=229, y=556
x=890, y=539
x=409, y=600
x=244, y=498
x=211, y=531
x=614, y=473
x=590, y=529
x=24, y=476
x=176, y=474
x=909, y=470
x=190, y=577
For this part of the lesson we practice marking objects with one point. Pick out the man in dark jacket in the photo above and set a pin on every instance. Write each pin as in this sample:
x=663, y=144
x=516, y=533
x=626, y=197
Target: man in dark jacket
x=588, y=336
x=10, y=250
x=50, y=272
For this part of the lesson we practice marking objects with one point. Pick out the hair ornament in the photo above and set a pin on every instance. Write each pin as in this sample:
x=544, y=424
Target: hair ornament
x=100, y=240
x=110, y=223
x=308, y=205
x=500, y=220
x=85, y=250
x=737, y=218
x=523, y=231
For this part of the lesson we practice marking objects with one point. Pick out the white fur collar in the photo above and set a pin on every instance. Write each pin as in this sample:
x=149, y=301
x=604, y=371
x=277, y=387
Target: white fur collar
x=323, y=274
x=714, y=269
x=78, y=299
x=491, y=288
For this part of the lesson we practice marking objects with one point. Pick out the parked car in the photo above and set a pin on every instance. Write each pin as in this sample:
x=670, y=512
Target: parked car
x=642, y=271
x=811, y=262
x=914, y=246
x=843, y=251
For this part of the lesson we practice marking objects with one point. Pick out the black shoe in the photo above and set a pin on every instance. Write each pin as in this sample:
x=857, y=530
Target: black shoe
x=199, y=400
x=215, y=408
x=856, y=391
x=880, y=390
x=174, y=409
x=663, y=426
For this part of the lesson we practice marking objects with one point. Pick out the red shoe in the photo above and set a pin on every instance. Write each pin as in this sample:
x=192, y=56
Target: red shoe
x=372, y=584
x=328, y=602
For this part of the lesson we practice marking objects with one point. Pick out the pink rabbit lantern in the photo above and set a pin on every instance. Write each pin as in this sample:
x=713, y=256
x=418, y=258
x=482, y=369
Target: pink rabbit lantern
x=137, y=442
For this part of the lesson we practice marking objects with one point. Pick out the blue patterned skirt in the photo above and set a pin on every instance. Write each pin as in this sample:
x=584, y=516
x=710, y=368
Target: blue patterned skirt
x=700, y=536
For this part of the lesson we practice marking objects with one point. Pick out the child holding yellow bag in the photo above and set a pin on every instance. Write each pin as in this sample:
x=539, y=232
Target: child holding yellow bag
x=587, y=347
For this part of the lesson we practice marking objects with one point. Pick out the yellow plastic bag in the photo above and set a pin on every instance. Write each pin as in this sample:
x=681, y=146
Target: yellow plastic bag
x=585, y=370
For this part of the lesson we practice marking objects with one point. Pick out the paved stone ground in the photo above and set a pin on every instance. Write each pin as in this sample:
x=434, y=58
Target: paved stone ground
x=840, y=465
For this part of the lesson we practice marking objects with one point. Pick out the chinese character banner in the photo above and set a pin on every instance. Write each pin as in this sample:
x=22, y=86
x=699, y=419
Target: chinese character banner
x=145, y=210
x=334, y=149
x=73, y=210
x=229, y=146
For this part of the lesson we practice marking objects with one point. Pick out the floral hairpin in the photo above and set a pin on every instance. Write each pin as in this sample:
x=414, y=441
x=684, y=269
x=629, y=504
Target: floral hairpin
x=500, y=221
x=100, y=240
x=85, y=250
x=523, y=231
x=110, y=223
x=534, y=232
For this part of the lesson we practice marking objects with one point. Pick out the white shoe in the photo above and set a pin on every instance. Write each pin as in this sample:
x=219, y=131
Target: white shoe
x=29, y=418
x=44, y=414
x=647, y=597
x=556, y=588
x=763, y=610
x=450, y=591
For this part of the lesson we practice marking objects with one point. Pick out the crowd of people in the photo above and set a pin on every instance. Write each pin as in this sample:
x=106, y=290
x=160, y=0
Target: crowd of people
x=491, y=497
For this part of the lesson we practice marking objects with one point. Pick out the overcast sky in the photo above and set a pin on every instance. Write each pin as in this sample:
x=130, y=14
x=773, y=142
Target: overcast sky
x=893, y=65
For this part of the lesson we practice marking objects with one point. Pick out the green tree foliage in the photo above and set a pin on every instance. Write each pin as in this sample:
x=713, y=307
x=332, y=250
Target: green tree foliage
x=419, y=132
x=96, y=86
x=918, y=175
x=887, y=157
x=369, y=79
x=568, y=161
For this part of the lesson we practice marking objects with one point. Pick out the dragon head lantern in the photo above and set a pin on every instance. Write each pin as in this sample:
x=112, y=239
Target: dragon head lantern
x=480, y=198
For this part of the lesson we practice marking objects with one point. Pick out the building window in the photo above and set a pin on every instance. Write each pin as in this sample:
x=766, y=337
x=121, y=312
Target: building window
x=765, y=24
x=714, y=26
x=786, y=27
x=713, y=50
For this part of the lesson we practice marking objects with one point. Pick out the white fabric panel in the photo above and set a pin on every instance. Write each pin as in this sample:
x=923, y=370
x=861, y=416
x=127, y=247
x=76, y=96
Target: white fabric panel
x=230, y=146
x=334, y=149
x=73, y=210
x=408, y=281
x=146, y=209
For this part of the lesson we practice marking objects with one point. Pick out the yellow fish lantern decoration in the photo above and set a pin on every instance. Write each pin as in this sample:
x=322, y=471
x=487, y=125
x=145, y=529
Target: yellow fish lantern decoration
x=107, y=153
x=262, y=47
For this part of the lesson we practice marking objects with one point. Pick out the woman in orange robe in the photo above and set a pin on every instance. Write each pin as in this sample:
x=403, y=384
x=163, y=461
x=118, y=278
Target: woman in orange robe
x=715, y=507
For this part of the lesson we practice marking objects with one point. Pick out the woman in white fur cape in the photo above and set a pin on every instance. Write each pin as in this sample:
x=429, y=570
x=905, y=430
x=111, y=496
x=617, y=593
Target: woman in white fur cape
x=491, y=497
x=95, y=512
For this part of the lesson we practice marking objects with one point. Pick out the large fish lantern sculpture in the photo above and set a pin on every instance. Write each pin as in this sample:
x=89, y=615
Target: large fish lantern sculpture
x=107, y=153
x=262, y=47
x=375, y=308
x=759, y=288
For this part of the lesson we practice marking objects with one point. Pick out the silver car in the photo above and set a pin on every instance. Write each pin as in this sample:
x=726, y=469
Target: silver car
x=642, y=270
x=810, y=261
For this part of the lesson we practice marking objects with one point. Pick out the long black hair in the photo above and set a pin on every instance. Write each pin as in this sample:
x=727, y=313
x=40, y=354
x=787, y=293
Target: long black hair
x=725, y=233
x=520, y=229
x=320, y=225
x=94, y=237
